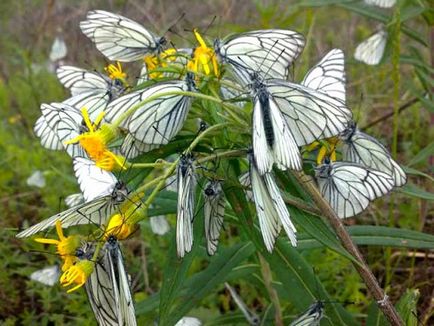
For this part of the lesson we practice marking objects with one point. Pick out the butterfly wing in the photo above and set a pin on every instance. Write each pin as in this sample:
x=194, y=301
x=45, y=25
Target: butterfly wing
x=117, y=37
x=47, y=275
x=94, y=182
x=268, y=52
x=349, y=187
x=371, y=50
x=47, y=135
x=381, y=3
x=328, y=75
x=368, y=151
x=185, y=209
x=214, y=211
x=80, y=81
x=311, y=317
x=309, y=114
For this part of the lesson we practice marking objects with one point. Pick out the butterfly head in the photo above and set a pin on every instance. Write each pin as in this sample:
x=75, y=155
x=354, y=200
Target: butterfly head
x=323, y=170
x=213, y=188
x=111, y=242
x=348, y=132
x=185, y=162
x=120, y=192
x=191, y=85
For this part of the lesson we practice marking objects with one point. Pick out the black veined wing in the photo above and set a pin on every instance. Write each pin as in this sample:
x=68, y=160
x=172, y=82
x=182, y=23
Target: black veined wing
x=96, y=211
x=371, y=50
x=186, y=179
x=270, y=207
x=269, y=52
x=244, y=180
x=361, y=148
x=48, y=275
x=95, y=103
x=310, y=114
x=94, y=182
x=381, y=3
x=120, y=38
x=48, y=137
x=328, y=75
x=114, y=264
x=350, y=187
x=132, y=148
x=251, y=317
x=74, y=199
x=311, y=317
x=214, y=211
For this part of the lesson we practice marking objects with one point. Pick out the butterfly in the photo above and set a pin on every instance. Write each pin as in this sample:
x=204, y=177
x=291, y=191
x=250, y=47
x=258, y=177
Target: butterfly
x=269, y=52
x=120, y=38
x=155, y=123
x=189, y=321
x=270, y=207
x=80, y=81
x=74, y=199
x=361, y=148
x=58, y=49
x=214, y=211
x=287, y=115
x=350, y=187
x=96, y=211
x=159, y=225
x=186, y=180
x=252, y=318
x=381, y=3
x=48, y=275
x=371, y=50
x=107, y=288
x=311, y=317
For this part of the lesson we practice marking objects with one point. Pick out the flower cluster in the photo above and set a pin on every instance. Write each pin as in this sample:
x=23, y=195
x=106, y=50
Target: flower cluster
x=106, y=124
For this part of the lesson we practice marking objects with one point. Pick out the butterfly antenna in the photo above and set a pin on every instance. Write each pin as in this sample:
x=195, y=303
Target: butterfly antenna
x=171, y=28
x=209, y=25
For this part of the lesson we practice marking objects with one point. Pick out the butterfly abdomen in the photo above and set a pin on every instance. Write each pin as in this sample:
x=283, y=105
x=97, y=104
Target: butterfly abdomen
x=268, y=125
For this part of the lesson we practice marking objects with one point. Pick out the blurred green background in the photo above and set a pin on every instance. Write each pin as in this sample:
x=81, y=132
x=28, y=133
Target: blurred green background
x=26, y=80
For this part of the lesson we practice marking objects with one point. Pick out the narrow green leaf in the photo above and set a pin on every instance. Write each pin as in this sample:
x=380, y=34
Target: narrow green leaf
x=414, y=191
x=412, y=171
x=423, y=154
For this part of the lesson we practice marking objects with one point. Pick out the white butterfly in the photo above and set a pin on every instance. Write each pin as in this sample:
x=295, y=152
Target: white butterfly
x=159, y=225
x=371, y=50
x=48, y=275
x=269, y=52
x=58, y=49
x=214, y=211
x=96, y=211
x=120, y=38
x=245, y=181
x=270, y=207
x=252, y=318
x=107, y=287
x=74, y=199
x=381, y=3
x=37, y=179
x=311, y=317
x=155, y=123
x=185, y=211
x=80, y=81
x=287, y=115
x=361, y=148
x=350, y=187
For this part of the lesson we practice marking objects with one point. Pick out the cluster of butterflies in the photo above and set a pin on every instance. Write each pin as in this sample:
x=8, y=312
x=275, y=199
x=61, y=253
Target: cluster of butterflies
x=286, y=116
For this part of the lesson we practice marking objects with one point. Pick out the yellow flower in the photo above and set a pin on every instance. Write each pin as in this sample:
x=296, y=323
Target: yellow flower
x=328, y=148
x=162, y=60
x=120, y=226
x=95, y=142
x=66, y=246
x=77, y=273
x=204, y=58
x=115, y=72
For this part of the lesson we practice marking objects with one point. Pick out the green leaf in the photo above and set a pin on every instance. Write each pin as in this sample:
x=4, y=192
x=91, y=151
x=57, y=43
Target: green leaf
x=412, y=171
x=414, y=191
x=203, y=283
x=423, y=154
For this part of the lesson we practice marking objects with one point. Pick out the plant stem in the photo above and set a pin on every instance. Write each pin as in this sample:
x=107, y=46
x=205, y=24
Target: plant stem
x=362, y=268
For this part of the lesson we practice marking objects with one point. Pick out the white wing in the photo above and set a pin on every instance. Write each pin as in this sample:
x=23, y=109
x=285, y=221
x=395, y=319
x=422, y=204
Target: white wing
x=159, y=225
x=74, y=200
x=309, y=114
x=272, y=139
x=94, y=182
x=47, y=135
x=114, y=264
x=158, y=121
x=381, y=3
x=244, y=179
x=214, y=211
x=95, y=103
x=97, y=212
x=311, y=317
x=119, y=38
x=131, y=147
x=185, y=209
x=371, y=50
x=47, y=276
x=328, y=75
x=270, y=208
x=349, y=187
x=252, y=318
x=58, y=49
x=188, y=321
x=268, y=52
x=368, y=151
x=80, y=80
